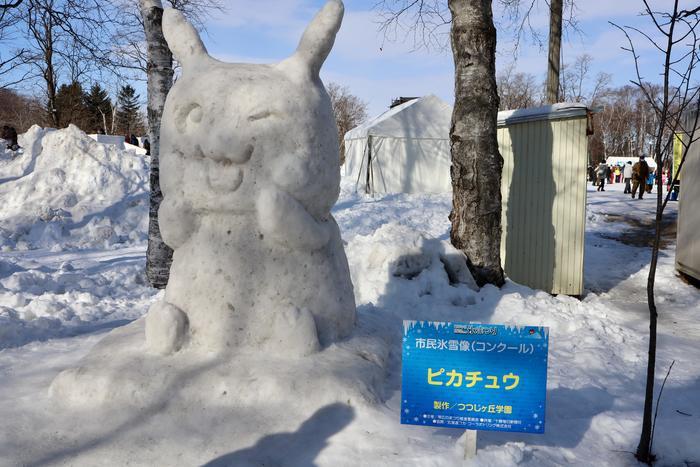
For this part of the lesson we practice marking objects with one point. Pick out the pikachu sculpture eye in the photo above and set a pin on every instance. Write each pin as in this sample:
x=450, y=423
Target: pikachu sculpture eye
x=195, y=114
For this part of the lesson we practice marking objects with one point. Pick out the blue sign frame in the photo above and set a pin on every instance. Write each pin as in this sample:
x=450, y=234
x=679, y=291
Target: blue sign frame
x=474, y=376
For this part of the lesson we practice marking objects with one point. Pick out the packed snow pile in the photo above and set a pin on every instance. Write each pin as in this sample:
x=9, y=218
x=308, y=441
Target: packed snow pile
x=64, y=190
x=431, y=267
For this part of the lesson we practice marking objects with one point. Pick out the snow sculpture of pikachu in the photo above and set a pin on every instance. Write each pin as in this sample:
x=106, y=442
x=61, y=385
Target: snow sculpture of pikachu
x=249, y=172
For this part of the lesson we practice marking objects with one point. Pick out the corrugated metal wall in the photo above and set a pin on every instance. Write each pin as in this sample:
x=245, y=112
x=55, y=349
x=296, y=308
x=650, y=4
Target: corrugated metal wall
x=688, y=236
x=544, y=203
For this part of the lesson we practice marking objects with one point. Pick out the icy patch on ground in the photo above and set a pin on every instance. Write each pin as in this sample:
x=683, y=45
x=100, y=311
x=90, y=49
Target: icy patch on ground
x=64, y=190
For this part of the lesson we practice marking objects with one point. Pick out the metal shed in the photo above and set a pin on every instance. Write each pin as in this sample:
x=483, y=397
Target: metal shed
x=545, y=152
x=688, y=235
x=545, y=155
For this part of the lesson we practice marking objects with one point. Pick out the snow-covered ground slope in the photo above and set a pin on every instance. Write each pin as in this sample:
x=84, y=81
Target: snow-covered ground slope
x=396, y=246
x=65, y=190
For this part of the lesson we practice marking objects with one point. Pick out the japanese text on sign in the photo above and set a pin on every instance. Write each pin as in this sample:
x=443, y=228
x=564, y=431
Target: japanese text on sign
x=486, y=377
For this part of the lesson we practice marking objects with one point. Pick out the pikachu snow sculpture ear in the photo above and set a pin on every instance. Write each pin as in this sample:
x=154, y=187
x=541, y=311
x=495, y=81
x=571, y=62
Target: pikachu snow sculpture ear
x=182, y=38
x=317, y=41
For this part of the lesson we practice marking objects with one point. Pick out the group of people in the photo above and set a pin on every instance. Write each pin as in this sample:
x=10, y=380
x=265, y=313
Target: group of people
x=131, y=139
x=134, y=141
x=638, y=178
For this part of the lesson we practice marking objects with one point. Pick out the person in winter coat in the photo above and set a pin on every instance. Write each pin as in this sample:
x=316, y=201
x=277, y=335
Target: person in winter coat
x=650, y=181
x=9, y=134
x=627, y=173
x=591, y=175
x=640, y=172
x=602, y=173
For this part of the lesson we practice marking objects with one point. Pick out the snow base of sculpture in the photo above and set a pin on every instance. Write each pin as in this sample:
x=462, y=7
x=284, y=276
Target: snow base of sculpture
x=120, y=373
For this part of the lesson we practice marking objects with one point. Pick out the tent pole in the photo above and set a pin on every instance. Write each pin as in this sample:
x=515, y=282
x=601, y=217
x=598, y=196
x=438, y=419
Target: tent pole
x=359, y=172
x=368, y=182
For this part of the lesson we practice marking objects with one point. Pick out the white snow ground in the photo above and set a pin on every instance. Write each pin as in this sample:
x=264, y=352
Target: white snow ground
x=57, y=302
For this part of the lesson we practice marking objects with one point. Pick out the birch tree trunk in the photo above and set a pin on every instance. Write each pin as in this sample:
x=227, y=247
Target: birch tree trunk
x=476, y=162
x=554, y=62
x=160, y=79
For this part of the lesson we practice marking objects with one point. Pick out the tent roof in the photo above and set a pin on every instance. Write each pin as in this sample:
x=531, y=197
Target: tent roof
x=427, y=117
x=546, y=112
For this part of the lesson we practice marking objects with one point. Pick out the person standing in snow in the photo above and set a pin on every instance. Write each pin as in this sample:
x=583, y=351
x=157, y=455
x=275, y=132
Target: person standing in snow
x=627, y=173
x=640, y=172
x=601, y=172
x=591, y=175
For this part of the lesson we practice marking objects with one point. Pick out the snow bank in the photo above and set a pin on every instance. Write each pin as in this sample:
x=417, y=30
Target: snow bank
x=65, y=190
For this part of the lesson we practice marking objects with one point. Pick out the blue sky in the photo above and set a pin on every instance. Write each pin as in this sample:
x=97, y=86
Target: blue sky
x=377, y=70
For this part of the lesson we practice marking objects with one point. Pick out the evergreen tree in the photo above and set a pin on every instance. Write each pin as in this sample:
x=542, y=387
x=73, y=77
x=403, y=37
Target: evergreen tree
x=128, y=116
x=99, y=108
x=70, y=106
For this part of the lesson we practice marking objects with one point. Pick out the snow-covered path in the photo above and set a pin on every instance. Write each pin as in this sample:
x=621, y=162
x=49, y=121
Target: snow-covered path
x=54, y=306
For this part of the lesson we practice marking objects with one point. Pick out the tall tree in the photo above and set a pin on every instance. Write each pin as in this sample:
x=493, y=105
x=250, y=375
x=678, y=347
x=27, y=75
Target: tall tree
x=160, y=79
x=99, y=109
x=554, y=59
x=573, y=81
x=41, y=25
x=476, y=161
x=349, y=111
x=9, y=17
x=66, y=35
x=159, y=72
x=128, y=117
x=517, y=90
x=20, y=111
x=70, y=103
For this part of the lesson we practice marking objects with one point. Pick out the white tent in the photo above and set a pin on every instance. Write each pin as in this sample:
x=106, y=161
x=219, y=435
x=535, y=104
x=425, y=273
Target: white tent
x=404, y=150
x=615, y=160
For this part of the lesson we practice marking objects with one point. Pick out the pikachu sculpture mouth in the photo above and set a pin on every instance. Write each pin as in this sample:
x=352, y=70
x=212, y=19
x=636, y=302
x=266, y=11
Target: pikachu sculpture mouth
x=224, y=174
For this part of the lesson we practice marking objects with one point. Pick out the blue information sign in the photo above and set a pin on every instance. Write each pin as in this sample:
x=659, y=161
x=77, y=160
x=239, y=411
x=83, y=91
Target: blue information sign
x=474, y=376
